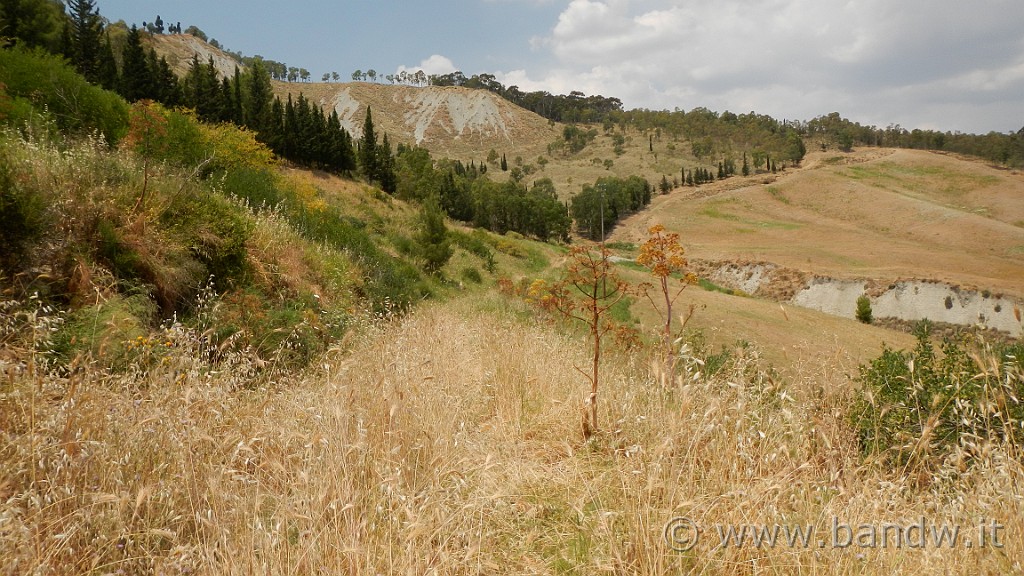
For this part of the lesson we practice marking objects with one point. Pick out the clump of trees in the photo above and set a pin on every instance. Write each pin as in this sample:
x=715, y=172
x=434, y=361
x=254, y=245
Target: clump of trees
x=298, y=131
x=597, y=208
x=464, y=193
x=1002, y=148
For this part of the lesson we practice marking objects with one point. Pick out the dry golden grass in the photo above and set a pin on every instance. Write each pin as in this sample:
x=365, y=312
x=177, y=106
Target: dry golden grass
x=449, y=443
x=877, y=213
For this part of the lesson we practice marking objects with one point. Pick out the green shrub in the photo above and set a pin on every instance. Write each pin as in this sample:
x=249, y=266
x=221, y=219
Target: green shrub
x=510, y=247
x=712, y=287
x=390, y=281
x=258, y=187
x=181, y=141
x=471, y=274
x=918, y=405
x=284, y=333
x=119, y=257
x=106, y=331
x=863, y=312
x=476, y=243
x=215, y=232
x=23, y=214
x=431, y=240
x=50, y=84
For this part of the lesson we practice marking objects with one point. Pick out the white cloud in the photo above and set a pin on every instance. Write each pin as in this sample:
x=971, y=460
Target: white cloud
x=435, y=64
x=875, y=61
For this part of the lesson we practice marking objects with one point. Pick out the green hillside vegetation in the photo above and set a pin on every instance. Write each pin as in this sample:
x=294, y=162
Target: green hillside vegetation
x=175, y=207
x=725, y=134
x=236, y=340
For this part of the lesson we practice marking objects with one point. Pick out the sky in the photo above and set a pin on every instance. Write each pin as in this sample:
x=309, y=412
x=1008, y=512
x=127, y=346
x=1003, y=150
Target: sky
x=949, y=65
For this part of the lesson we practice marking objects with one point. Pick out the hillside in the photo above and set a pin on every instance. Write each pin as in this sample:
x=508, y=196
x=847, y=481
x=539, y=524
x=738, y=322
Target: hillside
x=467, y=124
x=179, y=49
x=870, y=220
x=215, y=362
x=449, y=121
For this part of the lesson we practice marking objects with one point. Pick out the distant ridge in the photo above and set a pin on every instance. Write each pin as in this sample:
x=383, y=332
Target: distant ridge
x=447, y=120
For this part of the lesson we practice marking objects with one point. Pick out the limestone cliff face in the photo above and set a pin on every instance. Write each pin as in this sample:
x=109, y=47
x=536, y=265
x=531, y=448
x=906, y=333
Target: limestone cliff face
x=441, y=118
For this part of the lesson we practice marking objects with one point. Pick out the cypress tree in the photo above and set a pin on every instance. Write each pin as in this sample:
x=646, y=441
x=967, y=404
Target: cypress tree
x=432, y=242
x=259, y=99
x=387, y=173
x=107, y=74
x=273, y=133
x=289, y=130
x=368, y=148
x=236, y=100
x=342, y=157
x=136, y=77
x=227, y=101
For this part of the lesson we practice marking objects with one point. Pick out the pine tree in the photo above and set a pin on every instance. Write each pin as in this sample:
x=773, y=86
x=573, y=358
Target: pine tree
x=86, y=32
x=236, y=100
x=136, y=77
x=433, y=245
x=504, y=164
x=107, y=75
x=168, y=87
x=863, y=311
x=387, y=174
x=202, y=89
x=746, y=165
x=368, y=147
x=256, y=113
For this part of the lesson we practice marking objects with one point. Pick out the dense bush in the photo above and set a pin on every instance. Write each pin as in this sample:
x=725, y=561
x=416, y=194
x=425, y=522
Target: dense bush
x=863, y=311
x=258, y=187
x=917, y=406
x=215, y=231
x=22, y=217
x=432, y=244
x=53, y=87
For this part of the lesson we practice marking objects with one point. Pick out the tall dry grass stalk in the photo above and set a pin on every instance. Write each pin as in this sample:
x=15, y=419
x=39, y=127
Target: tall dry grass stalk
x=447, y=443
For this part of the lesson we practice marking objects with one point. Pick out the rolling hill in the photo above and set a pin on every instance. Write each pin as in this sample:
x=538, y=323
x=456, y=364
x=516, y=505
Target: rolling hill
x=321, y=404
x=883, y=222
x=449, y=121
